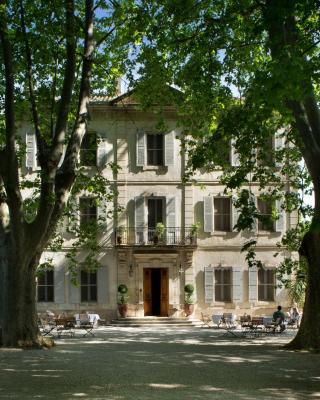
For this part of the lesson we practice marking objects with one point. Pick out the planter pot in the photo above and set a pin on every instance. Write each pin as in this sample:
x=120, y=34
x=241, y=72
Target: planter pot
x=119, y=239
x=123, y=310
x=155, y=239
x=188, y=309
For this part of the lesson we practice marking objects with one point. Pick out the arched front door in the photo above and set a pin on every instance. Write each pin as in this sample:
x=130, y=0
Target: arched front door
x=156, y=291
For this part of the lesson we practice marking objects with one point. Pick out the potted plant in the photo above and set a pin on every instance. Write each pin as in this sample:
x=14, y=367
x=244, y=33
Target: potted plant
x=123, y=300
x=194, y=231
x=188, y=299
x=159, y=232
x=120, y=232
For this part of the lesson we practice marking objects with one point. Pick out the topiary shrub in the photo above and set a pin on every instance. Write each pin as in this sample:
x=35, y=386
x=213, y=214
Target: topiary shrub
x=122, y=288
x=189, y=288
x=122, y=294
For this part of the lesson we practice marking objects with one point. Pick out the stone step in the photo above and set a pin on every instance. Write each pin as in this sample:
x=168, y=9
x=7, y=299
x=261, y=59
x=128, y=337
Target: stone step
x=154, y=321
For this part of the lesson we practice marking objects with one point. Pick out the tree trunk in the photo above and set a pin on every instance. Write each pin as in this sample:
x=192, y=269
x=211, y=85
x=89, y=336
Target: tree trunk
x=308, y=336
x=20, y=328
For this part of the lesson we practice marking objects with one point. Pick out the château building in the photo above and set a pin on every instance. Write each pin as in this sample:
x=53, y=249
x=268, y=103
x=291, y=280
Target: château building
x=150, y=189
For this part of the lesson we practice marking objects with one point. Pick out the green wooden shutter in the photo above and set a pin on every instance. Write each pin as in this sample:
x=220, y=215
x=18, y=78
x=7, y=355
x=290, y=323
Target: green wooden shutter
x=139, y=219
x=169, y=148
x=253, y=284
x=235, y=161
x=208, y=285
x=31, y=151
x=280, y=222
x=237, y=284
x=140, y=148
x=102, y=151
x=208, y=223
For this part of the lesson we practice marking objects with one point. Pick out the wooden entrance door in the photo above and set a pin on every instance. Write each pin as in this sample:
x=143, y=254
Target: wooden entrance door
x=164, y=296
x=156, y=291
x=147, y=294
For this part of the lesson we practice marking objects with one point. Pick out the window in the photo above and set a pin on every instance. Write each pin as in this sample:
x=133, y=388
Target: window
x=88, y=211
x=155, y=150
x=266, y=284
x=88, y=151
x=222, y=287
x=265, y=210
x=265, y=155
x=45, y=286
x=155, y=212
x=222, y=214
x=88, y=286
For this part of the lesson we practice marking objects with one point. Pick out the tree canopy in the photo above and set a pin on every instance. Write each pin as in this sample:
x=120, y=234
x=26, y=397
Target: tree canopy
x=54, y=56
x=248, y=71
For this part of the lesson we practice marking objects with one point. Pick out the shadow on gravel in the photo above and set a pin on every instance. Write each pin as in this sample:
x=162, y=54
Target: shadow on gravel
x=143, y=364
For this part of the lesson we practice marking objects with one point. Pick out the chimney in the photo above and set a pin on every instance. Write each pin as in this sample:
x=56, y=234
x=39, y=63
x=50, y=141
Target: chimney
x=118, y=88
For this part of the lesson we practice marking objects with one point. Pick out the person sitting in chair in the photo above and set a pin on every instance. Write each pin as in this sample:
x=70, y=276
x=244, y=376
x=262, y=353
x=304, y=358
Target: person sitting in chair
x=278, y=318
x=295, y=315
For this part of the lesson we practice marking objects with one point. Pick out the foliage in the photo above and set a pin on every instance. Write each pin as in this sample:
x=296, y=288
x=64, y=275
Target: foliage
x=54, y=56
x=122, y=288
x=243, y=79
x=159, y=230
x=195, y=228
x=122, y=294
x=121, y=230
x=188, y=297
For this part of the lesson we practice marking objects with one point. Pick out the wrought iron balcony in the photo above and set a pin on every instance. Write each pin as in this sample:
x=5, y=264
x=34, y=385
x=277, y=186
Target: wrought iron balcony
x=150, y=237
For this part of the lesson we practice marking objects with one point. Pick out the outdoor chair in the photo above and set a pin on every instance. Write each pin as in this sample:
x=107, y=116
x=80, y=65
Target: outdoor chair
x=206, y=320
x=216, y=319
x=228, y=320
x=279, y=325
x=46, y=323
x=245, y=321
x=85, y=323
x=65, y=325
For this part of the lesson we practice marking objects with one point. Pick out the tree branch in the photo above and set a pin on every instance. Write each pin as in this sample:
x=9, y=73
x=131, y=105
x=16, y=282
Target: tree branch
x=73, y=149
x=46, y=221
x=10, y=165
x=64, y=106
x=41, y=145
x=42, y=222
x=101, y=40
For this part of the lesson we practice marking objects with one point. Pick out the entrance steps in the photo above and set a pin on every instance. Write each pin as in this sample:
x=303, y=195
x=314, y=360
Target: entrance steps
x=168, y=322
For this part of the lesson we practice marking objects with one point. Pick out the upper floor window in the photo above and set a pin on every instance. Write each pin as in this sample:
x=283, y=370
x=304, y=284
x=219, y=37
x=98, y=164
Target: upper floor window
x=88, y=210
x=223, y=284
x=155, y=150
x=265, y=209
x=222, y=214
x=45, y=286
x=88, y=283
x=265, y=153
x=88, y=151
x=266, y=284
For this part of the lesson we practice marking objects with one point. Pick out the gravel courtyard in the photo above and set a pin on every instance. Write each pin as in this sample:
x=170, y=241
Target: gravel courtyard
x=160, y=363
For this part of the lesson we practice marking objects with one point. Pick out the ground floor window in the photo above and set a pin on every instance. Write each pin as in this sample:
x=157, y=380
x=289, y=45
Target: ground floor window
x=266, y=285
x=88, y=286
x=222, y=287
x=45, y=287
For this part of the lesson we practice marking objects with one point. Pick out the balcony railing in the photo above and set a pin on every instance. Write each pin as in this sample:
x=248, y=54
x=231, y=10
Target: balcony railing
x=149, y=237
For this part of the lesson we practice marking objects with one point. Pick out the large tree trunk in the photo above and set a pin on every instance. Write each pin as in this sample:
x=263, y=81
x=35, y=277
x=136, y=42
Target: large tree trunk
x=284, y=40
x=308, y=336
x=20, y=328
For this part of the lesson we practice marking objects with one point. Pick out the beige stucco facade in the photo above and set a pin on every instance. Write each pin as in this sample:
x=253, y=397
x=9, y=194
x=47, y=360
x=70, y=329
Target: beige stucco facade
x=117, y=125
